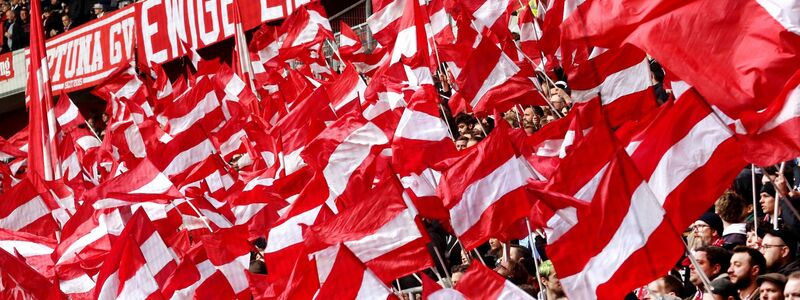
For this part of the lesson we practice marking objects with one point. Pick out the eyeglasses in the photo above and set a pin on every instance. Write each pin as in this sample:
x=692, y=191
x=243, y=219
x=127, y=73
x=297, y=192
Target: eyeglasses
x=767, y=246
x=698, y=227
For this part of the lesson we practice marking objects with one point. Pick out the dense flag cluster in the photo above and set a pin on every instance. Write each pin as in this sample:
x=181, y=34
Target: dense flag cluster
x=329, y=172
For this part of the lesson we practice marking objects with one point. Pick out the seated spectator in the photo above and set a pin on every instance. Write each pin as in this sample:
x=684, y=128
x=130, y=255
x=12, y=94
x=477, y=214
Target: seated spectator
x=770, y=286
x=706, y=231
x=550, y=282
x=779, y=249
x=713, y=261
x=746, y=265
x=730, y=208
x=791, y=291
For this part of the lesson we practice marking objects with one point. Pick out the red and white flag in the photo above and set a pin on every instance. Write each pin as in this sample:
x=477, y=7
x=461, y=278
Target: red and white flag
x=479, y=282
x=484, y=189
x=713, y=52
x=144, y=183
x=342, y=275
x=139, y=263
x=306, y=27
x=621, y=79
x=772, y=134
x=42, y=152
x=391, y=243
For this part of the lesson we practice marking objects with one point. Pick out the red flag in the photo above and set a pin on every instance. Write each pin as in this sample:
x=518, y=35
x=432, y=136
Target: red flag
x=483, y=189
x=479, y=282
x=42, y=152
x=772, y=135
x=712, y=43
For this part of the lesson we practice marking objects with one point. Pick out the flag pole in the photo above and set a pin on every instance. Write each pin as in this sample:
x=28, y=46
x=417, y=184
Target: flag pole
x=533, y=250
x=777, y=198
x=755, y=205
x=444, y=266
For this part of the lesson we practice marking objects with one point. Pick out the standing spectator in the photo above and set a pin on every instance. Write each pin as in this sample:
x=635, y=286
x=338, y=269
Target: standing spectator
x=713, y=261
x=706, y=231
x=746, y=265
x=14, y=38
x=461, y=142
x=98, y=11
x=66, y=20
x=25, y=21
x=779, y=249
x=51, y=22
x=770, y=286
x=731, y=209
x=547, y=273
x=665, y=287
x=792, y=289
x=767, y=201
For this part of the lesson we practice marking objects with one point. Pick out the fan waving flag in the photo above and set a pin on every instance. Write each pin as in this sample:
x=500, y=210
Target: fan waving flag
x=484, y=189
x=42, y=152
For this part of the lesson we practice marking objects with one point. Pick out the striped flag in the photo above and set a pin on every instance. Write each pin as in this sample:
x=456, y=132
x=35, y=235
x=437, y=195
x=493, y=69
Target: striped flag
x=42, y=154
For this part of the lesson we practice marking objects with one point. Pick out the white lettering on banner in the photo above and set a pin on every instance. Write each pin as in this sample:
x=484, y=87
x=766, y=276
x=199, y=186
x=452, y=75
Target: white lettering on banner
x=270, y=12
x=226, y=10
x=176, y=9
x=149, y=30
x=210, y=7
x=6, y=66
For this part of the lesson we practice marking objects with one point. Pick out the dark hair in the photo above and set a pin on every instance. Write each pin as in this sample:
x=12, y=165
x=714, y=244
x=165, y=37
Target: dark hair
x=787, y=238
x=658, y=72
x=459, y=269
x=717, y=256
x=527, y=258
x=673, y=284
x=756, y=258
x=466, y=119
x=731, y=207
x=462, y=138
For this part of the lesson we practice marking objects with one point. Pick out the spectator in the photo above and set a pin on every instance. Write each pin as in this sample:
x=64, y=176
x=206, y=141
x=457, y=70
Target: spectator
x=791, y=291
x=474, y=140
x=713, y=261
x=54, y=6
x=98, y=11
x=558, y=102
x=530, y=119
x=457, y=272
x=767, y=201
x=14, y=35
x=465, y=123
x=25, y=21
x=770, y=286
x=123, y=4
x=461, y=143
x=722, y=289
x=731, y=209
x=66, y=20
x=706, y=231
x=779, y=249
x=666, y=287
x=550, y=281
x=51, y=22
x=746, y=265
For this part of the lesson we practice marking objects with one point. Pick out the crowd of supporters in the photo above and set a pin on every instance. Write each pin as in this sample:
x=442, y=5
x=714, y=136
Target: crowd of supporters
x=58, y=16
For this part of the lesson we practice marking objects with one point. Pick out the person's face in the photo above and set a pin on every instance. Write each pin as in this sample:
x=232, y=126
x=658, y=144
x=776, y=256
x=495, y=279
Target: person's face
x=98, y=11
x=774, y=250
x=770, y=291
x=740, y=272
x=10, y=15
x=515, y=255
x=553, y=284
x=456, y=277
x=461, y=145
x=702, y=231
x=705, y=267
x=655, y=289
x=753, y=241
x=65, y=20
x=767, y=203
x=558, y=102
x=527, y=114
x=494, y=243
x=23, y=14
x=463, y=128
x=792, y=290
